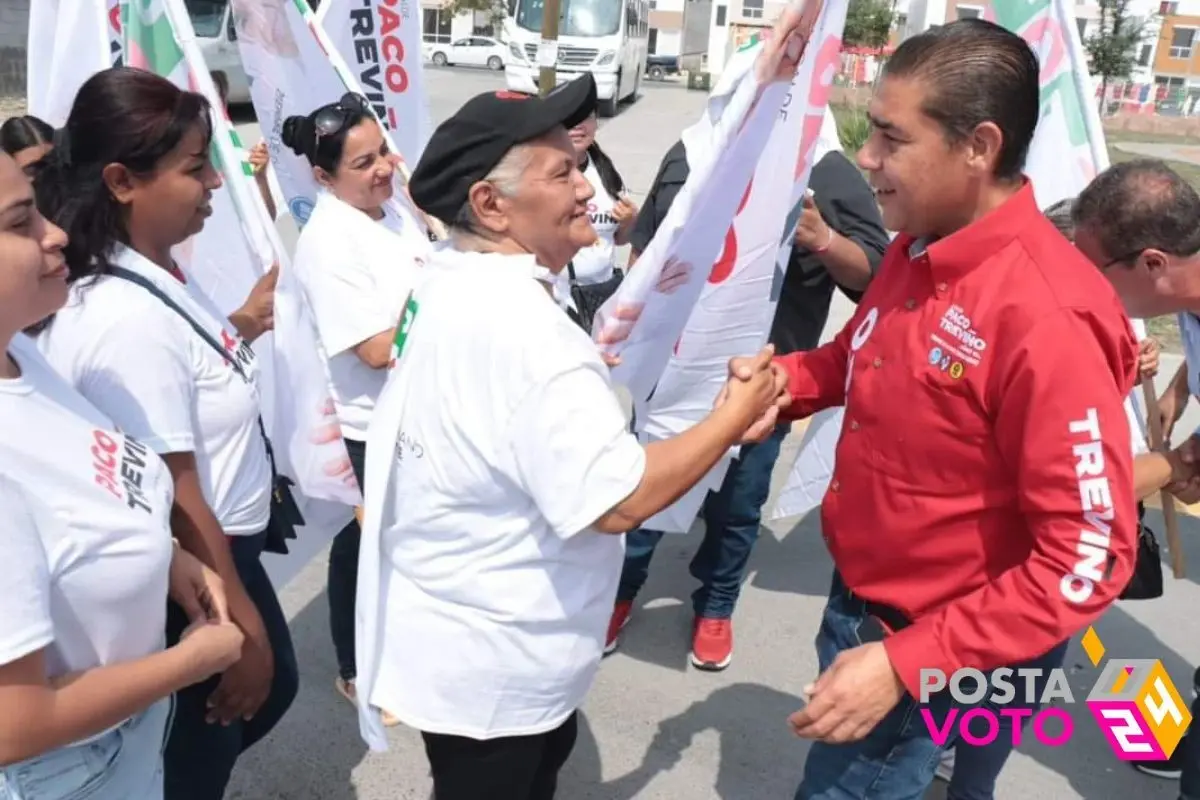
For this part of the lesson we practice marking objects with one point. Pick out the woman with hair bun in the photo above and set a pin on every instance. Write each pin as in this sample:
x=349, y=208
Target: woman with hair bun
x=356, y=262
x=129, y=180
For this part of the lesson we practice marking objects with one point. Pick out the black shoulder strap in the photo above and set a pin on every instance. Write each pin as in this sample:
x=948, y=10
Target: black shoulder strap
x=205, y=336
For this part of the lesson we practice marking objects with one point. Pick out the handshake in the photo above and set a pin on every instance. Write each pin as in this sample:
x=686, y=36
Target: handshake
x=1185, y=470
x=754, y=394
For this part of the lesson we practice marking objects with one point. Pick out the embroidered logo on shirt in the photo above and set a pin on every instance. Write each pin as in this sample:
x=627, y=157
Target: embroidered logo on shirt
x=957, y=338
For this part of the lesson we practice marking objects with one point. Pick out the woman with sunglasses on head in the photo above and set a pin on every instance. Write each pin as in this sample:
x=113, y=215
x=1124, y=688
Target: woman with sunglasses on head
x=27, y=139
x=85, y=682
x=356, y=261
x=130, y=180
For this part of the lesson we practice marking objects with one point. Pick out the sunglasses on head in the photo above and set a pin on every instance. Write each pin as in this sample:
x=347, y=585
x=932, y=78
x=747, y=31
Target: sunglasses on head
x=330, y=120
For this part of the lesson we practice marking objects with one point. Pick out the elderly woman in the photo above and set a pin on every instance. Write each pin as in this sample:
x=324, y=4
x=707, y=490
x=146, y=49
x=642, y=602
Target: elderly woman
x=500, y=473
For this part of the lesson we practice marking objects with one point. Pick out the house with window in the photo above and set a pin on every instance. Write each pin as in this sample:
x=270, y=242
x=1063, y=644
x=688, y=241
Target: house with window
x=1176, y=57
x=679, y=27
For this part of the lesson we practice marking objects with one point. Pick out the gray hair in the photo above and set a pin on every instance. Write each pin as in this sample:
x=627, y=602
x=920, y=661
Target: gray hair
x=506, y=177
x=1059, y=215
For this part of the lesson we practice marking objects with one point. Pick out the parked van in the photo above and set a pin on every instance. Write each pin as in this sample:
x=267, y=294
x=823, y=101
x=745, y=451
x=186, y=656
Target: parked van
x=217, y=37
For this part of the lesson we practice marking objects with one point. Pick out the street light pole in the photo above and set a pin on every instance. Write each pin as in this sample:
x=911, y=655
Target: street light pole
x=548, y=47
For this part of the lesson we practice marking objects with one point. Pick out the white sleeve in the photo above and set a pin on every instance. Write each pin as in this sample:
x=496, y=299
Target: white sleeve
x=347, y=304
x=140, y=375
x=571, y=449
x=25, y=623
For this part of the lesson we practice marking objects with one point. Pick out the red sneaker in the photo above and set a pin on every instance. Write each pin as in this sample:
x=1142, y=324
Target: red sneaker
x=618, y=620
x=712, y=644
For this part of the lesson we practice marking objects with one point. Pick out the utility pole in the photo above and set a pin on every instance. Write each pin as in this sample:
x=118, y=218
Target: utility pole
x=548, y=47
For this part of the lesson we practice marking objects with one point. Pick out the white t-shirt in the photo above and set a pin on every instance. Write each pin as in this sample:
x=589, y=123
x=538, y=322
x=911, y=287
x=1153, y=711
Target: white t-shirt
x=87, y=540
x=356, y=274
x=595, y=264
x=496, y=444
x=142, y=365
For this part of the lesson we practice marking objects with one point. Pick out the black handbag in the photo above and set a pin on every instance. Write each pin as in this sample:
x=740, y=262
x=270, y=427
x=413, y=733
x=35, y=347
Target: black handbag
x=588, y=297
x=1147, y=580
x=285, y=514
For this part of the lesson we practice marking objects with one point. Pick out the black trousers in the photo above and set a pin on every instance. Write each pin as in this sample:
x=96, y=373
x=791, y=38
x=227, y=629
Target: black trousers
x=511, y=768
x=342, y=578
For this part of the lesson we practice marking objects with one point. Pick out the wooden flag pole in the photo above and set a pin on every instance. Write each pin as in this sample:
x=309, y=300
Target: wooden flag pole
x=1170, y=516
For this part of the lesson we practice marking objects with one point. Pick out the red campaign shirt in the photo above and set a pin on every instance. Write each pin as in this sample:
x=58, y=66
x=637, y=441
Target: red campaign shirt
x=983, y=480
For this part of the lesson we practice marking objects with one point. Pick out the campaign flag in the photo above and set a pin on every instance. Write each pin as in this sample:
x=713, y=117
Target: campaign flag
x=737, y=304
x=642, y=322
x=69, y=41
x=1067, y=151
x=380, y=43
x=236, y=247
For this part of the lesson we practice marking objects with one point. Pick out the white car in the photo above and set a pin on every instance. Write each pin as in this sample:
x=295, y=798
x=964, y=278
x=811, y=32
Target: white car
x=470, y=51
x=217, y=37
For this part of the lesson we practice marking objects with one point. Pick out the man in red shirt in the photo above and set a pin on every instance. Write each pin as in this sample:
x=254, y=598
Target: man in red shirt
x=981, y=508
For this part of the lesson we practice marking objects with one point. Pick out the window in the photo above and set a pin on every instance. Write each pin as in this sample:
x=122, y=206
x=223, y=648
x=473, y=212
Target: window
x=1081, y=26
x=721, y=16
x=1144, y=56
x=483, y=24
x=1181, y=42
x=652, y=43
x=435, y=26
x=752, y=9
x=968, y=12
x=1168, y=7
x=207, y=16
x=577, y=17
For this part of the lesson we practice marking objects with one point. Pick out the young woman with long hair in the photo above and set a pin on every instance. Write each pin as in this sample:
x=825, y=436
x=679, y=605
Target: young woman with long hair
x=129, y=181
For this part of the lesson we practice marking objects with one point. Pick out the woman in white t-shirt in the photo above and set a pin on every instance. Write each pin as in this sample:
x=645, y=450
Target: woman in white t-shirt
x=356, y=261
x=129, y=181
x=610, y=210
x=500, y=471
x=85, y=683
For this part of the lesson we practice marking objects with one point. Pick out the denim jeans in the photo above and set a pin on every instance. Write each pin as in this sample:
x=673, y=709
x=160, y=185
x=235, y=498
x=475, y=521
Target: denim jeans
x=896, y=761
x=731, y=518
x=125, y=763
x=199, y=756
x=342, y=582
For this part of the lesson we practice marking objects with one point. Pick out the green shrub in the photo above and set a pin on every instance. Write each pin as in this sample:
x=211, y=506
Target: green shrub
x=853, y=127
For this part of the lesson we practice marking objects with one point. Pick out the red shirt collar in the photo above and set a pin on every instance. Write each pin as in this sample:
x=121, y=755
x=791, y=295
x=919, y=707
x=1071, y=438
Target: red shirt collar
x=957, y=254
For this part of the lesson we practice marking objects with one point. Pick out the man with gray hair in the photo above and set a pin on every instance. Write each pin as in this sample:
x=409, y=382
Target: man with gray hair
x=1139, y=222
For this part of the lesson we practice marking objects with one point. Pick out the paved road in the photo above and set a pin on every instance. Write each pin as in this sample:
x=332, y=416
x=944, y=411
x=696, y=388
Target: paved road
x=1189, y=153
x=653, y=727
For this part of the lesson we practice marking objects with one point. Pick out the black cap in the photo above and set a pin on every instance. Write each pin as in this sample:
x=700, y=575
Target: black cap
x=466, y=147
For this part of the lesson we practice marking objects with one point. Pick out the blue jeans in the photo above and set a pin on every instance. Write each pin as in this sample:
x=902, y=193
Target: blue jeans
x=124, y=764
x=199, y=756
x=896, y=761
x=731, y=518
x=342, y=578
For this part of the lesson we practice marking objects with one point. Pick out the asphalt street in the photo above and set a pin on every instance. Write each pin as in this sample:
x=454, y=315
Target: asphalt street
x=653, y=727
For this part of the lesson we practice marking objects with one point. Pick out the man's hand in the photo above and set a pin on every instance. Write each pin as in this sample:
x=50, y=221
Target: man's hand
x=743, y=368
x=1148, y=352
x=1185, y=471
x=1170, y=409
x=850, y=698
x=812, y=232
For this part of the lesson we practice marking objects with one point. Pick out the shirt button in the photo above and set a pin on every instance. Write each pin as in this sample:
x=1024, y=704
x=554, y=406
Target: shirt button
x=877, y=363
x=834, y=485
x=853, y=424
x=910, y=304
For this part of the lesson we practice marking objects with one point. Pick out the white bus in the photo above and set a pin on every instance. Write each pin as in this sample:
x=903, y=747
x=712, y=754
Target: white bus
x=605, y=37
